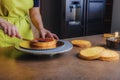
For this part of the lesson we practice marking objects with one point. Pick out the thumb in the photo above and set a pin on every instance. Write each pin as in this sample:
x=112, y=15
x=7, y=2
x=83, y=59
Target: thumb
x=42, y=35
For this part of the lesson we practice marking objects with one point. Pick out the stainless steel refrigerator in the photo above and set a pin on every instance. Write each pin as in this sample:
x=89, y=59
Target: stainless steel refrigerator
x=74, y=18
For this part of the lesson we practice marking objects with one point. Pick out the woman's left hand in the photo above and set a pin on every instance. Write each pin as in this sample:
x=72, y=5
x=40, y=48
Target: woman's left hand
x=46, y=33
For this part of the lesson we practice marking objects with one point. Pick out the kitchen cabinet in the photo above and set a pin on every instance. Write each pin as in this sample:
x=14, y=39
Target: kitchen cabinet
x=108, y=15
x=99, y=16
x=95, y=17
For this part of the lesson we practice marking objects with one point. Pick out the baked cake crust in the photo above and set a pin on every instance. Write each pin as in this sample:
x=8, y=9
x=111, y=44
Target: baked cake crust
x=43, y=43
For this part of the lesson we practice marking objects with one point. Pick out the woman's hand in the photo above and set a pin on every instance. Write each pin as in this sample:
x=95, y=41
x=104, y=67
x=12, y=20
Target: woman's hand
x=46, y=33
x=36, y=19
x=9, y=29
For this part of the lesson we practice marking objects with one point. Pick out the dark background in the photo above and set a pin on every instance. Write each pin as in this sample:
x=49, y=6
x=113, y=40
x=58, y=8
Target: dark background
x=98, y=13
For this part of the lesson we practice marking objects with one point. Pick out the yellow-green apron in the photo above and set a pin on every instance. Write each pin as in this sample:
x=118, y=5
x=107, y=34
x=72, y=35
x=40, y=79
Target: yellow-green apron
x=15, y=12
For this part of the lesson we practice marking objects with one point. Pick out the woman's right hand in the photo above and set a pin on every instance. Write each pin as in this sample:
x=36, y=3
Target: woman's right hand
x=9, y=29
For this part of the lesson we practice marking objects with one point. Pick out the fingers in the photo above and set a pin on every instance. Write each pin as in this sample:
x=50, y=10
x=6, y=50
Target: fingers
x=47, y=34
x=10, y=29
x=55, y=36
x=4, y=27
x=13, y=30
x=17, y=33
x=42, y=35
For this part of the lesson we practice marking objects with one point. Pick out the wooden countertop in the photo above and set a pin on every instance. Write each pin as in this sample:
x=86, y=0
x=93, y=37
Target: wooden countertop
x=16, y=65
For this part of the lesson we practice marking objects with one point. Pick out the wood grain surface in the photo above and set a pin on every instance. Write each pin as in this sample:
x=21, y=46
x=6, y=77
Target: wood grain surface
x=16, y=65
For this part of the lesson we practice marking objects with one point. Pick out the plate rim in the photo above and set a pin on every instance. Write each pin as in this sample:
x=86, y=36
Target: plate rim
x=43, y=49
x=48, y=52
